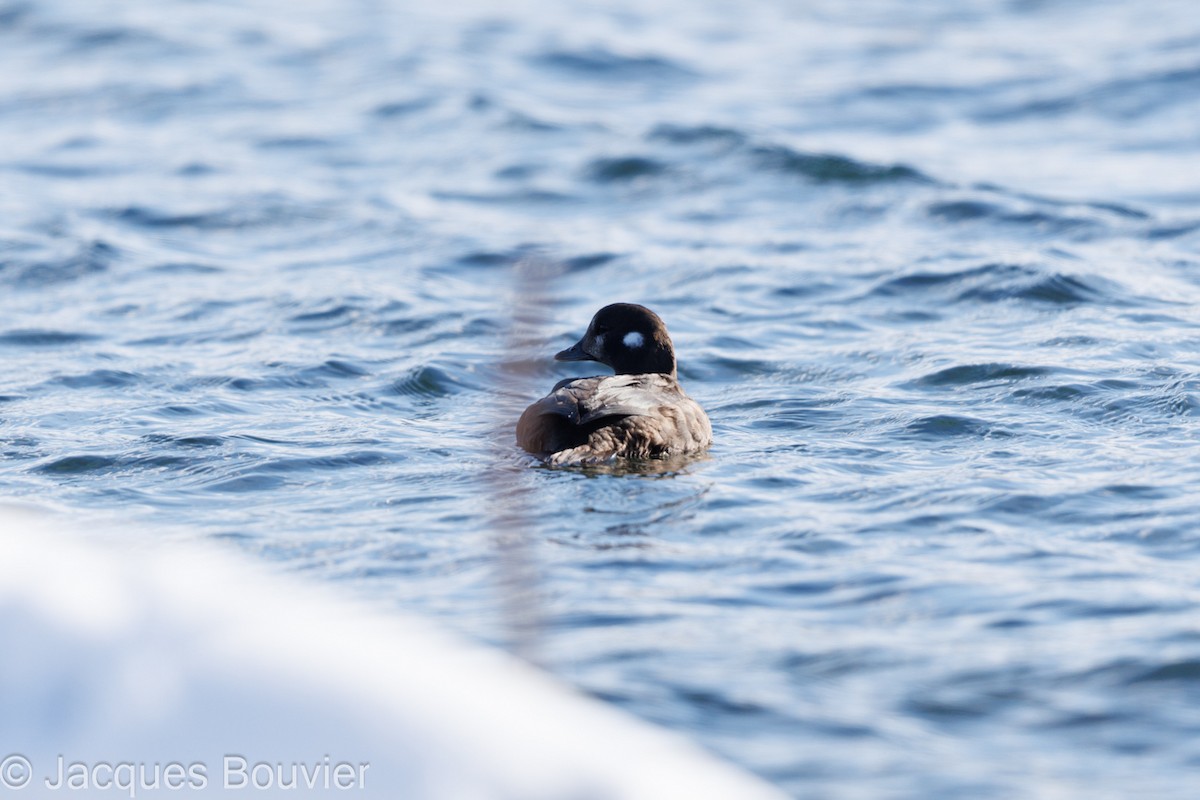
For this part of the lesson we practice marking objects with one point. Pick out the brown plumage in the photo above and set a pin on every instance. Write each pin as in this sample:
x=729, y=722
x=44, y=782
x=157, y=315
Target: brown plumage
x=641, y=412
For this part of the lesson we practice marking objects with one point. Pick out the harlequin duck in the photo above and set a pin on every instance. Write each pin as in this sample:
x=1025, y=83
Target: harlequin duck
x=640, y=412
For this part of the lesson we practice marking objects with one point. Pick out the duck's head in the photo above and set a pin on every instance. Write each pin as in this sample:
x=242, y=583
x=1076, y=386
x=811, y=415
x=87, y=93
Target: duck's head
x=627, y=337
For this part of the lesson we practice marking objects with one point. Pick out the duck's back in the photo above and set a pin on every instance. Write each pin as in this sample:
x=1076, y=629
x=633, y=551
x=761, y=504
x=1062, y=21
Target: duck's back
x=589, y=420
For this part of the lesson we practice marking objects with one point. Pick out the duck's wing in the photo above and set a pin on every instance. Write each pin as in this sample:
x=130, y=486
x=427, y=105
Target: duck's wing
x=576, y=407
x=584, y=400
x=618, y=396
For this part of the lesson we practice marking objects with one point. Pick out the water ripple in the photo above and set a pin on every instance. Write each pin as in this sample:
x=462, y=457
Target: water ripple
x=603, y=64
x=832, y=167
x=34, y=337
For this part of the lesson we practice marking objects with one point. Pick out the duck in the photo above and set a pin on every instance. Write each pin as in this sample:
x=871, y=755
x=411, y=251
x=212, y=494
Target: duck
x=639, y=412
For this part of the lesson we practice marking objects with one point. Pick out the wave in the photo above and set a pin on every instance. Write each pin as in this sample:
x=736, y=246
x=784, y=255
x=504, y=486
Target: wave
x=603, y=64
x=999, y=282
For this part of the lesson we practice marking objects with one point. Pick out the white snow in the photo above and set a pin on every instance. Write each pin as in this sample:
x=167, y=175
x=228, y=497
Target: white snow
x=117, y=654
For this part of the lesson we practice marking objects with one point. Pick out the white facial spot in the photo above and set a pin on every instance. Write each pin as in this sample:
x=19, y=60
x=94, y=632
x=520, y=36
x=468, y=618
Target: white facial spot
x=633, y=340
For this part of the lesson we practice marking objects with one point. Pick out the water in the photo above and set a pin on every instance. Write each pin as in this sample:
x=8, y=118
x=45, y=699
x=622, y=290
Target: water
x=286, y=274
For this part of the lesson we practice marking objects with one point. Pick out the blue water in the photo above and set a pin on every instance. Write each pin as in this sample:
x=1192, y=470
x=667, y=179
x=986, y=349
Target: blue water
x=286, y=273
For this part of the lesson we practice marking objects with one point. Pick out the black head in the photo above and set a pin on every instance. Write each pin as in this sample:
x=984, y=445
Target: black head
x=629, y=338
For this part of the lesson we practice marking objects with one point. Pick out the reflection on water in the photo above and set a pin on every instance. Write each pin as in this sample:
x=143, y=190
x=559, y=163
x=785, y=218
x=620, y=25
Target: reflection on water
x=669, y=467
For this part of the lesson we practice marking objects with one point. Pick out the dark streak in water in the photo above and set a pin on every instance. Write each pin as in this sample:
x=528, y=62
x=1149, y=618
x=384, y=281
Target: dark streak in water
x=609, y=170
x=602, y=64
x=979, y=373
x=949, y=425
x=701, y=134
x=832, y=168
x=44, y=338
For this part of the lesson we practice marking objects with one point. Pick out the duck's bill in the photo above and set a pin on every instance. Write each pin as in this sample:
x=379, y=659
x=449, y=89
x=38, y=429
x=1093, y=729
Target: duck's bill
x=574, y=353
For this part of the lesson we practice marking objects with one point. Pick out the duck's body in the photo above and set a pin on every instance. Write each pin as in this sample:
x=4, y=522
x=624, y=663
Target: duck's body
x=641, y=412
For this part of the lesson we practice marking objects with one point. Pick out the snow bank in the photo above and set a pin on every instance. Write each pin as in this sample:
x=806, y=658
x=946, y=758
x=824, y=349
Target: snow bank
x=183, y=670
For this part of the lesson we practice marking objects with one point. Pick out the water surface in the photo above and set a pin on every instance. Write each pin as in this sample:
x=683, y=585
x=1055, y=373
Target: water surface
x=287, y=275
